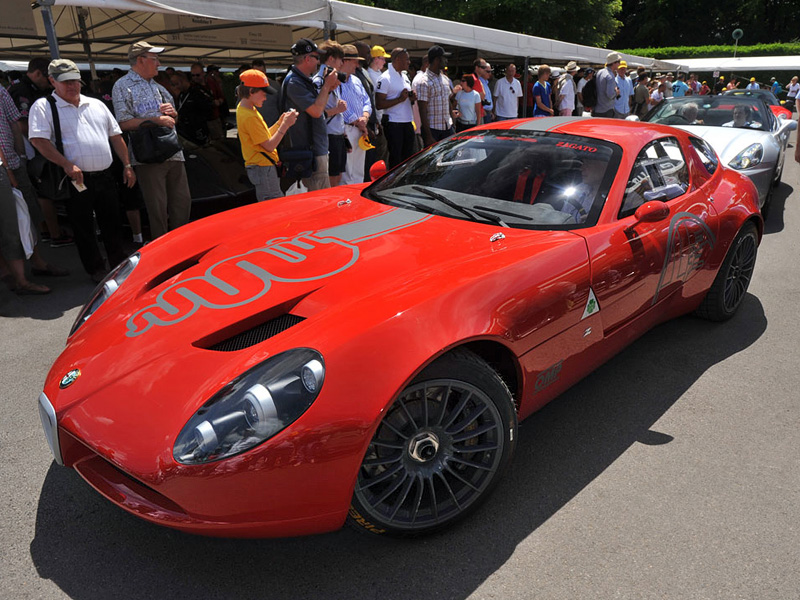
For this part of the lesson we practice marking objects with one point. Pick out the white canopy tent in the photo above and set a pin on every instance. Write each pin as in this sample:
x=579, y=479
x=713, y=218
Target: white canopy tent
x=233, y=31
x=743, y=63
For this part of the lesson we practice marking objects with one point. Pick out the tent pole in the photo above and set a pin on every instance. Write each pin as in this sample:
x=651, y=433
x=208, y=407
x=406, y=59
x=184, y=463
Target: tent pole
x=87, y=46
x=49, y=27
x=525, y=76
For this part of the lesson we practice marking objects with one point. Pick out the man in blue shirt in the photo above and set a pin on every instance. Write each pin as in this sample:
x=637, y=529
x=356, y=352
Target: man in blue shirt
x=622, y=107
x=679, y=87
x=541, y=94
x=356, y=116
x=776, y=87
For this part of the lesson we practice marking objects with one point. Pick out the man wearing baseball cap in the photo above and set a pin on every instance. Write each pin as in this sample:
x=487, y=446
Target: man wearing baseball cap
x=299, y=92
x=622, y=106
x=138, y=99
x=85, y=127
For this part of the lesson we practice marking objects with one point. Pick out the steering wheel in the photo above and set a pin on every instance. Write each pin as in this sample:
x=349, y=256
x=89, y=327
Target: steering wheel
x=676, y=120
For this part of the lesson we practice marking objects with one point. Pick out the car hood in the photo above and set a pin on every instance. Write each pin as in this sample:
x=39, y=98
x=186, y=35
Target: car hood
x=325, y=259
x=728, y=141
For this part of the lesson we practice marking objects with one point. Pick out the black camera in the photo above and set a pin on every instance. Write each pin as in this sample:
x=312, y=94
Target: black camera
x=340, y=76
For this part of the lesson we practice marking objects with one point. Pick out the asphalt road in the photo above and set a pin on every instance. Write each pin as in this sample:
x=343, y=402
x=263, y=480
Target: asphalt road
x=671, y=472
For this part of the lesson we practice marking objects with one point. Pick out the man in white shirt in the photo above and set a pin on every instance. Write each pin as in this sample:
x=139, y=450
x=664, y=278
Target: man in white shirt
x=86, y=127
x=566, y=92
x=507, y=92
x=394, y=96
x=377, y=61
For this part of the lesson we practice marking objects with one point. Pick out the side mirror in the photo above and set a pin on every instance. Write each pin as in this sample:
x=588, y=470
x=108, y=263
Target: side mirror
x=632, y=118
x=377, y=170
x=787, y=125
x=651, y=212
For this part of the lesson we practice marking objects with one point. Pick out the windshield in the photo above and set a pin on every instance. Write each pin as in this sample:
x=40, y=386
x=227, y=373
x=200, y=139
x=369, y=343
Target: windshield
x=520, y=179
x=712, y=111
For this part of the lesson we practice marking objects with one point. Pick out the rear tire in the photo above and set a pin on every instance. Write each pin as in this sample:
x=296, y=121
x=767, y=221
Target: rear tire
x=439, y=450
x=730, y=285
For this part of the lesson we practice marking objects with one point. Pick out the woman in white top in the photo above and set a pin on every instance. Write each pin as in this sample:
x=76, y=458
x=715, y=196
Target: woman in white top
x=794, y=92
x=469, y=104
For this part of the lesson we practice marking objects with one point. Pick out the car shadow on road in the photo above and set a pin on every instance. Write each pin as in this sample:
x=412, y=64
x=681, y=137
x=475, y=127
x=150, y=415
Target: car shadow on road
x=773, y=221
x=93, y=550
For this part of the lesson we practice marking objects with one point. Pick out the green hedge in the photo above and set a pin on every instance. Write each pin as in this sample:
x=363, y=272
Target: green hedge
x=715, y=51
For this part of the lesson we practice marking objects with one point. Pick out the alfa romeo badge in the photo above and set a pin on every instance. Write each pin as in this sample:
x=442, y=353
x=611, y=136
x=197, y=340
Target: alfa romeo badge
x=69, y=378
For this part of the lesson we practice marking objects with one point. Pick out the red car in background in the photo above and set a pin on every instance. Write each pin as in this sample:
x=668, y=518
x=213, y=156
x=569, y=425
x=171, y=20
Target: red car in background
x=365, y=353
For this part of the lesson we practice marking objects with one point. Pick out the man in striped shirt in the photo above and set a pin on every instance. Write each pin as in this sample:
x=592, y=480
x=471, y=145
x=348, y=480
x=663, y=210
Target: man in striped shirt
x=359, y=108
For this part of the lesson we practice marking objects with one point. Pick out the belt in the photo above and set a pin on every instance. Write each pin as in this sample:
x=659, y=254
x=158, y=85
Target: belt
x=91, y=174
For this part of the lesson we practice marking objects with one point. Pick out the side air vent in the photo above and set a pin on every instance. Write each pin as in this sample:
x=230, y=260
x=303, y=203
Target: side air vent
x=257, y=334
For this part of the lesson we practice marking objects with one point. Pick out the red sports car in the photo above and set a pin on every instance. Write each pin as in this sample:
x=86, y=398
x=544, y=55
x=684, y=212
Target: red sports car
x=365, y=353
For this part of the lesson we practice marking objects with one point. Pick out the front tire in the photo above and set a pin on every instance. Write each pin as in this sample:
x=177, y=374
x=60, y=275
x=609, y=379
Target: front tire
x=730, y=285
x=439, y=451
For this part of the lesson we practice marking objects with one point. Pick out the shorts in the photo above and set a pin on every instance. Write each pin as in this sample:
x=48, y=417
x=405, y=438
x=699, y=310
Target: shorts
x=337, y=154
x=265, y=179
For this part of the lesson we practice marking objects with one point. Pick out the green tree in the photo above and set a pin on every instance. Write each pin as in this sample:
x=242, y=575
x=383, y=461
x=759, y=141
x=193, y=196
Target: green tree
x=653, y=23
x=587, y=22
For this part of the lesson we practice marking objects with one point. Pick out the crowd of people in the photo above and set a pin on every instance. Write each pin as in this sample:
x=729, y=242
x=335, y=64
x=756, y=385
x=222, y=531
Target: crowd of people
x=338, y=109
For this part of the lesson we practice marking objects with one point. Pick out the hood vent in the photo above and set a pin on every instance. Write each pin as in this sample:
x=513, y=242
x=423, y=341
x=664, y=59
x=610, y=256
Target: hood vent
x=257, y=334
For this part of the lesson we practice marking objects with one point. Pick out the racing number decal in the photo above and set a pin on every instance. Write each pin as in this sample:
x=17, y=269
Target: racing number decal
x=689, y=243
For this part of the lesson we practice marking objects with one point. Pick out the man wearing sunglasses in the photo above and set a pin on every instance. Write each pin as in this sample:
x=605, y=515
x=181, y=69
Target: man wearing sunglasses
x=299, y=92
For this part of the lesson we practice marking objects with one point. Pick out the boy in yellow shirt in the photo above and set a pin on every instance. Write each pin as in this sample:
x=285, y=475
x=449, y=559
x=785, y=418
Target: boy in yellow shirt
x=258, y=141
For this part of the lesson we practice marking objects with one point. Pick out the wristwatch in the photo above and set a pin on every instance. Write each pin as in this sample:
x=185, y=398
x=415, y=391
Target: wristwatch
x=128, y=166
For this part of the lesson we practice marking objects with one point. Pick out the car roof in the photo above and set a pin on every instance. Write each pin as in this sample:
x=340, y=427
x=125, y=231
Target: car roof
x=620, y=132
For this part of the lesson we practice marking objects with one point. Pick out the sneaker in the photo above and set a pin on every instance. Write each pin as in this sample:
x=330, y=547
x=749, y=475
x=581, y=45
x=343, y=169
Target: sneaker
x=61, y=241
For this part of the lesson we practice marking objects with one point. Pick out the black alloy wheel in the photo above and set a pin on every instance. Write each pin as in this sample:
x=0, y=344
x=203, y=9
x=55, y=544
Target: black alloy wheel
x=439, y=450
x=730, y=286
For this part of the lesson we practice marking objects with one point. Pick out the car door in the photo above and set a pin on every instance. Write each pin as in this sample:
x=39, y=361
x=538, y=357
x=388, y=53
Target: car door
x=638, y=264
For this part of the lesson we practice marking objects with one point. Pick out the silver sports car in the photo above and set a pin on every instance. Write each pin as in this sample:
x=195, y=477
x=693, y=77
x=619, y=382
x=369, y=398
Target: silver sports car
x=742, y=130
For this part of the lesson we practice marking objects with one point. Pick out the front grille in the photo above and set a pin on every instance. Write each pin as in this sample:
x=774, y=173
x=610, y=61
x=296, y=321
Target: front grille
x=257, y=334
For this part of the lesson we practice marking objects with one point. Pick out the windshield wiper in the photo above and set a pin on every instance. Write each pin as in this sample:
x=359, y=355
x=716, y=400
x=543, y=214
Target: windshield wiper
x=469, y=212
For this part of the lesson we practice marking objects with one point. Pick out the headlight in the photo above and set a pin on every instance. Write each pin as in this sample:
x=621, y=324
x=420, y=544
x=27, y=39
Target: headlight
x=749, y=157
x=104, y=290
x=252, y=408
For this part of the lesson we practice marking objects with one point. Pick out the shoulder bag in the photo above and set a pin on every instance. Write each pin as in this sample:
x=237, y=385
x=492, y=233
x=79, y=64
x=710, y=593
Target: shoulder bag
x=50, y=179
x=153, y=143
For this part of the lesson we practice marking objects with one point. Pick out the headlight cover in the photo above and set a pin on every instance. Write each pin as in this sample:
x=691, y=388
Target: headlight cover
x=749, y=157
x=252, y=408
x=103, y=291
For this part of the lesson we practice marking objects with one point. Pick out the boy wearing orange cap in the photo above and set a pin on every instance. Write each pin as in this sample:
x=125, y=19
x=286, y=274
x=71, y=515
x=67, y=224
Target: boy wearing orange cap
x=258, y=141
